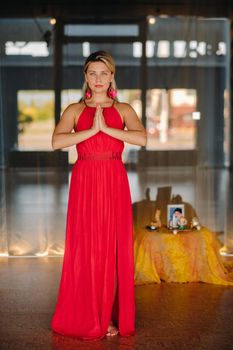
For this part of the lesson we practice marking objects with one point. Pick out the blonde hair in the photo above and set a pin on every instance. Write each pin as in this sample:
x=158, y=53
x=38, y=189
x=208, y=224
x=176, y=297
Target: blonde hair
x=104, y=57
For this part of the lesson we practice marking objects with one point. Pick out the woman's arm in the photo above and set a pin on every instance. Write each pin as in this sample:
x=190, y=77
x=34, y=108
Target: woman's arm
x=63, y=136
x=135, y=133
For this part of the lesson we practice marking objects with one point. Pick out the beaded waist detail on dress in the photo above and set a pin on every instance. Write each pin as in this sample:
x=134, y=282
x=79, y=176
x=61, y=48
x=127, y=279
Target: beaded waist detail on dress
x=99, y=156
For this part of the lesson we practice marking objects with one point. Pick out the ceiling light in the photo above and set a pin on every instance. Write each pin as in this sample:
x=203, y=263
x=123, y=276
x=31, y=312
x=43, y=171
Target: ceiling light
x=53, y=21
x=151, y=20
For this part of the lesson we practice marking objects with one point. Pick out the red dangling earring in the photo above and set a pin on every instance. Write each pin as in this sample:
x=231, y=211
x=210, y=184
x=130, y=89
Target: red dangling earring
x=88, y=92
x=112, y=92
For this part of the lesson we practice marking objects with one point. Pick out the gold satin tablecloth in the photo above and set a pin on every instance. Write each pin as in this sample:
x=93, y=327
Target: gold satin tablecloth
x=189, y=256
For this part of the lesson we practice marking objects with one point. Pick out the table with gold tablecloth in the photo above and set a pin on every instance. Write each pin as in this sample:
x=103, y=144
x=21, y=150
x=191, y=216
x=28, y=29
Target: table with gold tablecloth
x=189, y=256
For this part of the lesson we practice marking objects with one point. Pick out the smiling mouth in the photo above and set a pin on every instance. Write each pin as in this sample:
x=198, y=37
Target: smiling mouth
x=98, y=85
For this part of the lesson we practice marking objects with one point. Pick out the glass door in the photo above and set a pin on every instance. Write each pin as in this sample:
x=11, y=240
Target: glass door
x=122, y=41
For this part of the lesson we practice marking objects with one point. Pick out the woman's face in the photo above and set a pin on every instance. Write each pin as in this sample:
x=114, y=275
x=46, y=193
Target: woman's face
x=98, y=77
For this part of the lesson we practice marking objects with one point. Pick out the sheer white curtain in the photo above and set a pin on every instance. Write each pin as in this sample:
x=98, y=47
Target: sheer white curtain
x=187, y=111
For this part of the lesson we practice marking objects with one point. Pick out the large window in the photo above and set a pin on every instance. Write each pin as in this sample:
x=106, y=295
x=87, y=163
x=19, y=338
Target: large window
x=171, y=119
x=127, y=59
x=180, y=89
x=35, y=119
x=188, y=86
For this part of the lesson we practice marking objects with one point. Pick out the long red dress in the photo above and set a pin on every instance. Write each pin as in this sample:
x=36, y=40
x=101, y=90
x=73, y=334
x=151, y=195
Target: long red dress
x=99, y=239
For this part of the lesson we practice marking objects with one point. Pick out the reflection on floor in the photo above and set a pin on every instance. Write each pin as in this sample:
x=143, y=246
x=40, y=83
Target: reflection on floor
x=34, y=203
x=168, y=315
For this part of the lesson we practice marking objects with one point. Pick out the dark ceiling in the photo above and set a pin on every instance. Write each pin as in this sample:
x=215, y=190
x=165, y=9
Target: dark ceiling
x=115, y=8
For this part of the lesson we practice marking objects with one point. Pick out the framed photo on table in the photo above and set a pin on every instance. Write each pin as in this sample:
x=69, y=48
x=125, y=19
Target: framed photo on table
x=174, y=212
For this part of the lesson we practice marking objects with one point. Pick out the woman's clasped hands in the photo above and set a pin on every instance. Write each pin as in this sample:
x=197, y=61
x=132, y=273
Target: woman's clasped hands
x=99, y=121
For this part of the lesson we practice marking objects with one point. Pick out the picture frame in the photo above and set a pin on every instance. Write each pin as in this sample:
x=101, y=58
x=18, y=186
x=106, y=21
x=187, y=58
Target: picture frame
x=174, y=211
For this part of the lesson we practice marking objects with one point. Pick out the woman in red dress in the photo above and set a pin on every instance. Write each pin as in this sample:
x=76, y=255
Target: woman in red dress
x=96, y=292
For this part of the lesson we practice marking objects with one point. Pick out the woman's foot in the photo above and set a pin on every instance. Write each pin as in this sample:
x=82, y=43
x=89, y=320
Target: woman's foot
x=112, y=330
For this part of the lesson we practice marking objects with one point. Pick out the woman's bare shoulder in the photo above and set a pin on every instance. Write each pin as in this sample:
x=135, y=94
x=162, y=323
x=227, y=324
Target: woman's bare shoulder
x=75, y=107
x=72, y=112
